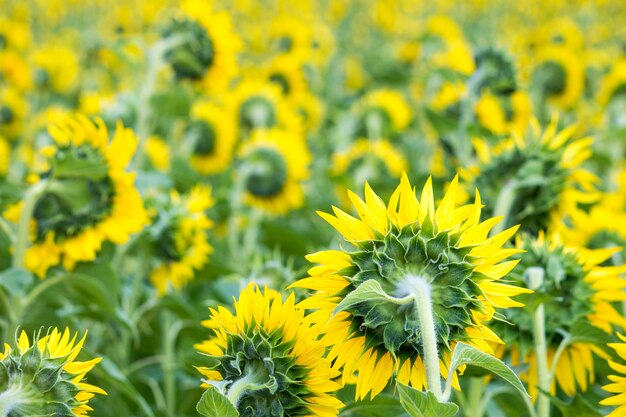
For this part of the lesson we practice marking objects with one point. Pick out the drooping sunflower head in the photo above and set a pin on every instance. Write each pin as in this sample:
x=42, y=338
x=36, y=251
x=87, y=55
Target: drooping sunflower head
x=13, y=110
x=534, y=179
x=287, y=73
x=207, y=45
x=289, y=36
x=257, y=104
x=56, y=67
x=44, y=377
x=559, y=75
x=612, y=94
x=179, y=234
x=311, y=110
x=88, y=196
x=267, y=359
x=495, y=71
x=504, y=114
x=382, y=113
x=377, y=162
x=447, y=246
x=210, y=137
x=273, y=165
x=575, y=290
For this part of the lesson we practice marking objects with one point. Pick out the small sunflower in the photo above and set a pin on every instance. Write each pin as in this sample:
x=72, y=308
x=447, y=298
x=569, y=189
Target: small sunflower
x=89, y=196
x=443, y=46
x=14, y=34
x=447, y=99
x=534, y=179
x=158, y=151
x=495, y=72
x=447, y=246
x=311, y=110
x=382, y=113
x=211, y=138
x=180, y=238
x=14, y=70
x=56, y=67
x=267, y=358
x=288, y=36
x=209, y=55
x=274, y=164
x=258, y=104
x=504, y=114
x=617, y=387
x=13, y=110
x=44, y=378
x=559, y=75
x=575, y=288
x=287, y=73
x=5, y=156
x=614, y=83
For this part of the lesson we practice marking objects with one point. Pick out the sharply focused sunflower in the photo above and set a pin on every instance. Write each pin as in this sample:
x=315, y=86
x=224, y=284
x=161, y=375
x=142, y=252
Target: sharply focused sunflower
x=88, y=197
x=504, y=114
x=179, y=233
x=617, y=387
x=44, y=378
x=558, y=74
x=210, y=137
x=207, y=51
x=382, y=113
x=273, y=166
x=267, y=359
x=576, y=289
x=257, y=104
x=534, y=179
x=448, y=247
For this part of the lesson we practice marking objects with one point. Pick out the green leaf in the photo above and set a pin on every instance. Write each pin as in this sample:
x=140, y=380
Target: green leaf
x=380, y=406
x=214, y=404
x=577, y=407
x=370, y=291
x=424, y=404
x=584, y=332
x=464, y=354
x=16, y=280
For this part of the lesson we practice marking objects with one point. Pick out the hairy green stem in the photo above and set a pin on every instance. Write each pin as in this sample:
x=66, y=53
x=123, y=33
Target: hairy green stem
x=475, y=398
x=8, y=400
x=535, y=276
x=238, y=388
x=503, y=206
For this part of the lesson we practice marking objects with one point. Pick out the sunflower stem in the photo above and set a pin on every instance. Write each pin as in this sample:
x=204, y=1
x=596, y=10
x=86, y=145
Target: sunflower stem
x=535, y=276
x=23, y=226
x=475, y=398
x=420, y=289
x=8, y=400
x=503, y=206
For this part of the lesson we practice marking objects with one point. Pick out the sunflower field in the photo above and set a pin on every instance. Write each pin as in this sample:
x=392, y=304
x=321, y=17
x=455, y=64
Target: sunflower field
x=312, y=208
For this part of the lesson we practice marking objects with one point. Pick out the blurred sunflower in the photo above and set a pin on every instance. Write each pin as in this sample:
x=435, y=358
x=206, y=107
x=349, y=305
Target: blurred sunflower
x=447, y=247
x=288, y=36
x=382, y=113
x=558, y=74
x=257, y=104
x=210, y=136
x=5, y=156
x=14, y=34
x=158, y=152
x=504, y=114
x=617, y=387
x=575, y=289
x=535, y=179
x=267, y=359
x=273, y=165
x=13, y=110
x=612, y=93
x=14, y=70
x=286, y=73
x=44, y=378
x=443, y=45
x=311, y=110
x=89, y=197
x=56, y=67
x=179, y=233
x=208, y=52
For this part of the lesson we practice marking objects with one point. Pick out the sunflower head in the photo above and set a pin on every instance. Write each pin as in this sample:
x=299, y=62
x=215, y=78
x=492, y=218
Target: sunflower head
x=267, y=359
x=504, y=114
x=447, y=247
x=44, y=378
x=274, y=164
x=382, y=113
x=559, y=75
x=617, y=387
x=574, y=289
x=13, y=110
x=192, y=58
x=536, y=178
x=496, y=72
x=179, y=235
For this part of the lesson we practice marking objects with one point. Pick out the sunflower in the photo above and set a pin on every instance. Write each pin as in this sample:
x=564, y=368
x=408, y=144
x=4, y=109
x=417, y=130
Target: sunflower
x=5, y=156
x=180, y=237
x=377, y=162
x=535, y=179
x=49, y=381
x=495, y=72
x=13, y=110
x=617, y=387
x=158, y=151
x=267, y=359
x=613, y=84
x=14, y=70
x=211, y=138
x=311, y=110
x=14, y=34
x=209, y=52
x=558, y=73
x=273, y=166
x=382, y=112
x=447, y=248
x=258, y=104
x=443, y=46
x=89, y=197
x=504, y=114
x=288, y=36
x=575, y=289
x=286, y=73
x=56, y=67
